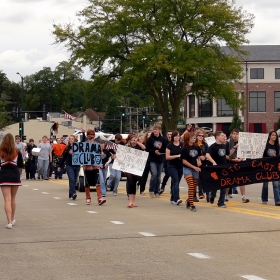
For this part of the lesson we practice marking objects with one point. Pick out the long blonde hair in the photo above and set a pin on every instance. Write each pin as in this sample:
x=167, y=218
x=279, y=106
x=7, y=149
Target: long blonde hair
x=8, y=147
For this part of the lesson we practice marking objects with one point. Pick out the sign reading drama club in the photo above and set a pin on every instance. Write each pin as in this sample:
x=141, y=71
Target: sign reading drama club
x=86, y=153
x=130, y=160
x=238, y=174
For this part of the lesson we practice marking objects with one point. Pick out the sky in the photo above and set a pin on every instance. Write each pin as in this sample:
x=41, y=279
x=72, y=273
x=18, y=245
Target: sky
x=26, y=42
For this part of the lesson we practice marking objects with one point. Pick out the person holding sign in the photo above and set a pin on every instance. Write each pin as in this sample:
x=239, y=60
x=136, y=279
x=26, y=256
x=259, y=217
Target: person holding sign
x=216, y=154
x=191, y=166
x=91, y=172
x=72, y=170
x=132, y=179
x=271, y=150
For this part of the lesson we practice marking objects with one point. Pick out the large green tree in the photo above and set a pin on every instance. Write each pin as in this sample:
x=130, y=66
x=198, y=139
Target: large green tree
x=165, y=47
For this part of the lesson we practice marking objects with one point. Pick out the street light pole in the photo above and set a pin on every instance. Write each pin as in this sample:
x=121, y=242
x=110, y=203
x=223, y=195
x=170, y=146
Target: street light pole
x=21, y=92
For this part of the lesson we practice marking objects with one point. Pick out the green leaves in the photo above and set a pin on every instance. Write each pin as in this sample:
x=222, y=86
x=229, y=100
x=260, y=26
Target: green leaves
x=161, y=47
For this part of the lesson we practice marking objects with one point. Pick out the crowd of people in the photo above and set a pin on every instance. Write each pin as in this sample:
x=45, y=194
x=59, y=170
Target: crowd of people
x=177, y=155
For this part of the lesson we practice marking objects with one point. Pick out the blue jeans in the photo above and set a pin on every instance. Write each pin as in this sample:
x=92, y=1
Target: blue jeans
x=115, y=176
x=156, y=170
x=276, y=191
x=102, y=179
x=72, y=172
x=176, y=175
x=43, y=165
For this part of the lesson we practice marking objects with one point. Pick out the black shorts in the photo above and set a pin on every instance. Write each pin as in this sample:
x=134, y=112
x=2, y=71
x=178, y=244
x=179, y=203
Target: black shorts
x=91, y=177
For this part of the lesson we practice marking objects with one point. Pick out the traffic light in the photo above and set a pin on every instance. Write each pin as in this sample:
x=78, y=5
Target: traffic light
x=123, y=113
x=44, y=116
x=20, y=129
x=23, y=137
x=144, y=115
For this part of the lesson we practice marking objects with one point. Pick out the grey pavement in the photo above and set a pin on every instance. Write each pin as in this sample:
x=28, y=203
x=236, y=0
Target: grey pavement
x=53, y=239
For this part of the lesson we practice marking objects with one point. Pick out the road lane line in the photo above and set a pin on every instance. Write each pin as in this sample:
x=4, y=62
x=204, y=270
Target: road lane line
x=71, y=203
x=199, y=255
x=92, y=212
x=252, y=277
x=148, y=234
x=35, y=189
x=56, y=197
x=117, y=222
x=45, y=193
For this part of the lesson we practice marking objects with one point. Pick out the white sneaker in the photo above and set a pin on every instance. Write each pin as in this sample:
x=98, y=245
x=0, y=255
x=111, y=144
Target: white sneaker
x=9, y=226
x=179, y=201
x=173, y=202
x=142, y=193
x=152, y=194
x=13, y=222
x=115, y=193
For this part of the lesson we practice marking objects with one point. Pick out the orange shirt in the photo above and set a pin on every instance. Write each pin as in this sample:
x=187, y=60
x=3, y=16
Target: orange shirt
x=58, y=149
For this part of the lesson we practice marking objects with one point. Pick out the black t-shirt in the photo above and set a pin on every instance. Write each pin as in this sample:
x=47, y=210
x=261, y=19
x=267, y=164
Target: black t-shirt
x=218, y=153
x=271, y=150
x=105, y=157
x=175, y=150
x=190, y=154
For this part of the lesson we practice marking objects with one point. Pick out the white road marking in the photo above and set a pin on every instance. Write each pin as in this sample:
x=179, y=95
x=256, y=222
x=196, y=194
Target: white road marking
x=146, y=233
x=182, y=187
x=71, y=203
x=252, y=277
x=199, y=255
x=45, y=193
x=35, y=189
x=25, y=185
x=117, y=222
x=92, y=212
x=56, y=197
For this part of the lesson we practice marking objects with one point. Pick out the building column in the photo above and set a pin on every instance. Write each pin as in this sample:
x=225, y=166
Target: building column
x=196, y=105
x=214, y=127
x=214, y=108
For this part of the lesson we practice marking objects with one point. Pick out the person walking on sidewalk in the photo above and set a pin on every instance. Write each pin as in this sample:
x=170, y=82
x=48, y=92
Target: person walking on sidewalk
x=9, y=177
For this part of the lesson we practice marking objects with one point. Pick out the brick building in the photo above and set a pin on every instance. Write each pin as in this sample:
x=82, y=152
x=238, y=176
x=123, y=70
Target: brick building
x=260, y=88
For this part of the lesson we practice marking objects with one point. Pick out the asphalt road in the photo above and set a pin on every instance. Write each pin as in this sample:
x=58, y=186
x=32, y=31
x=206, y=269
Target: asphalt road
x=57, y=238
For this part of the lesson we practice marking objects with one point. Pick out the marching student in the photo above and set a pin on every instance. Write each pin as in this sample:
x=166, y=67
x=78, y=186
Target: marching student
x=72, y=170
x=191, y=166
x=216, y=154
x=44, y=158
x=106, y=159
x=155, y=146
x=132, y=179
x=9, y=176
x=174, y=166
x=91, y=172
x=271, y=150
x=232, y=143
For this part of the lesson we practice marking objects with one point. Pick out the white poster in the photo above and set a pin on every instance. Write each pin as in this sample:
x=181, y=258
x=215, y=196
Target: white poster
x=210, y=140
x=130, y=160
x=251, y=145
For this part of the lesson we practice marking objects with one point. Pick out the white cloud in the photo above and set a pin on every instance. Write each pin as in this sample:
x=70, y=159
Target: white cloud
x=51, y=60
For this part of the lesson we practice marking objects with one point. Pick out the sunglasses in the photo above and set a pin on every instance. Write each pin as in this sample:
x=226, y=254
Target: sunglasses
x=201, y=135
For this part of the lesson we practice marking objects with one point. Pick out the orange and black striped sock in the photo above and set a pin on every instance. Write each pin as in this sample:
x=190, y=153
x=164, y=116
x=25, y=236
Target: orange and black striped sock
x=191, y=189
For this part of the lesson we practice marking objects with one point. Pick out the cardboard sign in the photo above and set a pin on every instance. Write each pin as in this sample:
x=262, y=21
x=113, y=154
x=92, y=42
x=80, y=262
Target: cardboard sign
x=251, y=145
x=130, y=160
x=86, y=153
x=238, y=174
x=210, y=140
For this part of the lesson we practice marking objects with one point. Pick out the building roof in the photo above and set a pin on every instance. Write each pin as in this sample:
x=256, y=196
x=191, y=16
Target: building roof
x=257, y=53
x=93, y=116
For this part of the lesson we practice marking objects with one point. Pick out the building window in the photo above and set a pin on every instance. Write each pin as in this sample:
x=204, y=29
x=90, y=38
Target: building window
x=277, y=73
x=256, y=73
x=277, y=101
x=257, y=101
x=224, y=109
x=204, y=107
x=191, y=106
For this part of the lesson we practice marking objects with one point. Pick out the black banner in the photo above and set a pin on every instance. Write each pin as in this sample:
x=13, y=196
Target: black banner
x=238, y=174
